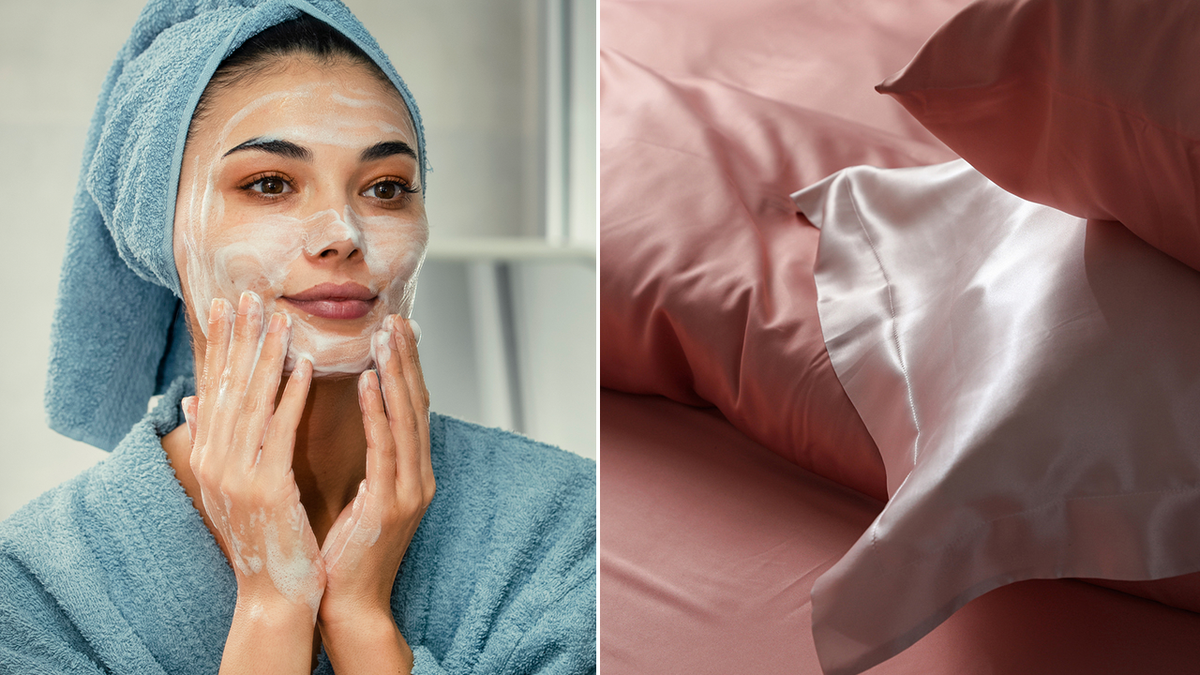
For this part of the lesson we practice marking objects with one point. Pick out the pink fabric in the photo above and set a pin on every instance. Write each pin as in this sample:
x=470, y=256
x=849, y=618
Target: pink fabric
x=1030, y=379
x=1090, y=106
x=711, y=114
x=709, y=545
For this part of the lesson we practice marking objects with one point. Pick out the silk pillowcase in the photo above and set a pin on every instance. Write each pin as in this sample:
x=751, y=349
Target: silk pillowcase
x=706, y=276
x=1089, y=106
x=1031, y=381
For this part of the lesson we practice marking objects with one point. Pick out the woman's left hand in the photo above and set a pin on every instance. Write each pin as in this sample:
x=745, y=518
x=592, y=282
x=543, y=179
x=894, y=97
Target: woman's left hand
x=368, y=540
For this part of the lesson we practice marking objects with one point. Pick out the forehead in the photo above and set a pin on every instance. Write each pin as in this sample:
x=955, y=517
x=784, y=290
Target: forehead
x=304, y=101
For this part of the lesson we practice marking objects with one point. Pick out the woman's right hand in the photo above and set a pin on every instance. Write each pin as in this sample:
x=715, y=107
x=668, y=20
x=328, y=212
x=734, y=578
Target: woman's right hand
x=242, y=459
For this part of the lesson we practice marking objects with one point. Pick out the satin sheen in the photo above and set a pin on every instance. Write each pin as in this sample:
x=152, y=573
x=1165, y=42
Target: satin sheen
x=1031, y=380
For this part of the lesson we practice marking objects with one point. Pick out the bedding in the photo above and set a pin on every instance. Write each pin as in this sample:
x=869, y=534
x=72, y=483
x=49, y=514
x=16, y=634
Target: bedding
x=711, y=114
x=1034, y=411
x=709, y=544
x=1089, y=106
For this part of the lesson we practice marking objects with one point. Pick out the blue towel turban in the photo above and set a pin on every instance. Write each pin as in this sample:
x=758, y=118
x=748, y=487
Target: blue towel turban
x=119, y=333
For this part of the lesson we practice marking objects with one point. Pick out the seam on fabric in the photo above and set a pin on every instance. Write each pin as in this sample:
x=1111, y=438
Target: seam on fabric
x=892, y=315
x=895, y=343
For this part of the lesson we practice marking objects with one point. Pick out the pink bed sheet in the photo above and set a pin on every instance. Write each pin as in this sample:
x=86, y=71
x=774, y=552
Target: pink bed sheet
x=710, y=544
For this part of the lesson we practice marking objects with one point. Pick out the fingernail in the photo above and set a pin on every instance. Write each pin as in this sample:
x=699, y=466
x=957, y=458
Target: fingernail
x=415, y=329
x=381, y=340
x=215, y=311
x=186, y=405
x=277, y=323
x=244, y=303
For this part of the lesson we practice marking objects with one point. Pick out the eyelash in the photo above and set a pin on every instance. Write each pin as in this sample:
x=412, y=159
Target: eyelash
x=405, y=190
x=257, y=179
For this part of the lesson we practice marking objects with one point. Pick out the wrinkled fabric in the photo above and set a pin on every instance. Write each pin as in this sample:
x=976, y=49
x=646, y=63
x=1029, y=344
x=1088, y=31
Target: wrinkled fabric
x=711, y=114
x=709, y=546
x=1089, y=106
x=1031, y=379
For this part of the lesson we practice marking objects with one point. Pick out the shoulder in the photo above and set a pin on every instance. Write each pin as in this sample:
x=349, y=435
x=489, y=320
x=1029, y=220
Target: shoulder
x=501, y=574
x=503, y=460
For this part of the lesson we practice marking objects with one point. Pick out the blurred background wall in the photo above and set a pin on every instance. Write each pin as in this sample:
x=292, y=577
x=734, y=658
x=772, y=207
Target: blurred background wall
x=506, y=299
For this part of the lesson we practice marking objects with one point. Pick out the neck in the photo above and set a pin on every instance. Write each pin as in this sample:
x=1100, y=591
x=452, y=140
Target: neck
x=329, y=459
x=330, y=456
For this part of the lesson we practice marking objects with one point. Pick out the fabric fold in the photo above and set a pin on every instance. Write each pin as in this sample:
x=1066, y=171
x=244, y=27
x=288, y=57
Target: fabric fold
x=1030, y=380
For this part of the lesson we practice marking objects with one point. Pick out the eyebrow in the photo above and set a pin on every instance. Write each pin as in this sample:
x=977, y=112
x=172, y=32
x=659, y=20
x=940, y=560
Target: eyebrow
x=275, y=147
x=387, y=149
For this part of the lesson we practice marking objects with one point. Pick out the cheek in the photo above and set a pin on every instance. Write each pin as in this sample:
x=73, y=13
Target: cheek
x=394, y=251
x=228, y=258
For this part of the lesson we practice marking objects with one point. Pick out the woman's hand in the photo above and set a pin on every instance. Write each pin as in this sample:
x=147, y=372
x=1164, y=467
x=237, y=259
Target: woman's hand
x=368, y=540
x=242, y=458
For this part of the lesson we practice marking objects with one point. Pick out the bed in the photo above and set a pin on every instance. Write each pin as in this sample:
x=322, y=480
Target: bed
x=741, y=462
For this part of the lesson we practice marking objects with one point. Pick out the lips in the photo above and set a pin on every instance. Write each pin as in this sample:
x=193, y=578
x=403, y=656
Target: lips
x=335, y=301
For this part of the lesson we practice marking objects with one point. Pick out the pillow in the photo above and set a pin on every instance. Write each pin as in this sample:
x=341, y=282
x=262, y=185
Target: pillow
x=1031, y=380
x=1089, y=106
x=706, y=288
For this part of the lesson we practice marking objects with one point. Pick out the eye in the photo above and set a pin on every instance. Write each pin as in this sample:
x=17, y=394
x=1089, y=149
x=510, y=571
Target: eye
x=389, y=190
x=269, y=185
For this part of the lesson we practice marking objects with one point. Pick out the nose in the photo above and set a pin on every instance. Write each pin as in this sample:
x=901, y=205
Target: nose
x=331, y=237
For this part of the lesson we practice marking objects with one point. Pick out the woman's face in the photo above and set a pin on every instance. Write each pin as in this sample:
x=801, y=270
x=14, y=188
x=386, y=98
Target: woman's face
x=301, y=186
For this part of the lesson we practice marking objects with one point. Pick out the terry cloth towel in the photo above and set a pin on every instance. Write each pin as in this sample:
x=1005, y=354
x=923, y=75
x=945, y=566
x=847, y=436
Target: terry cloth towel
x=115, y=571
x=119, y=333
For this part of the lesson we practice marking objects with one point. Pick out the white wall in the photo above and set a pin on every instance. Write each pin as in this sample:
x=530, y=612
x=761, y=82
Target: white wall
x=53, y=57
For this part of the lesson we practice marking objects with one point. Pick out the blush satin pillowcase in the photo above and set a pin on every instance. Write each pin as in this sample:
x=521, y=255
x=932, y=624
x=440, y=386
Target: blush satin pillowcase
x=706, y=287
x=1031, y=380
x=1089, y=106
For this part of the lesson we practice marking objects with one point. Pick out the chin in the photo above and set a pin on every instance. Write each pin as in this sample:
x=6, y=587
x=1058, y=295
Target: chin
x=332, y=356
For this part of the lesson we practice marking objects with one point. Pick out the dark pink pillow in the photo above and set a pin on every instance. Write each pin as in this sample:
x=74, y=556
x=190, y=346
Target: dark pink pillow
x=706, y=271
x=1089, y=106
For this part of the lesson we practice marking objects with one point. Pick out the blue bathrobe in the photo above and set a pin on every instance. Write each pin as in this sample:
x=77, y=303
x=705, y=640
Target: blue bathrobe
x=116, y=572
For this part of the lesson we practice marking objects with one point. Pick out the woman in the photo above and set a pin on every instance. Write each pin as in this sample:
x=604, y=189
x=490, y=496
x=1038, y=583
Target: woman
x=292, y=521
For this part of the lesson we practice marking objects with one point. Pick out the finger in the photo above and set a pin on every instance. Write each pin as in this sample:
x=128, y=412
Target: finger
x=381, y=447
x=259, y=400
x=280, y=439
x=243, y=350
x=188, y=404
x=406, y=344
x=406, y=341
x=220, y=325
x=343, y=529
x=402, y=414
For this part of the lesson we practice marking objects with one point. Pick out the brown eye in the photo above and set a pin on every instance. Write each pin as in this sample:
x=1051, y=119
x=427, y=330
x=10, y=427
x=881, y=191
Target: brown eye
x=392, y=191
x=270, y=185
x=385, y=190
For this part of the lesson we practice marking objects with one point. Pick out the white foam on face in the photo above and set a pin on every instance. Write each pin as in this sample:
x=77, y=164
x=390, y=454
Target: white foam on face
x=230, y=248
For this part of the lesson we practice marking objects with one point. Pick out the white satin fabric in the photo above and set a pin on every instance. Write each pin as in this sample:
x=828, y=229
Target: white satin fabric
x=1032, y=381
